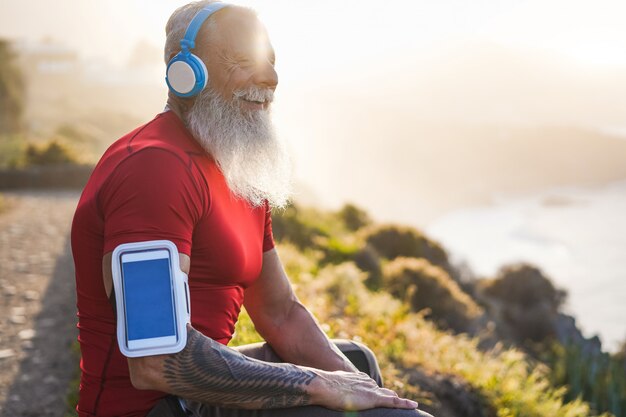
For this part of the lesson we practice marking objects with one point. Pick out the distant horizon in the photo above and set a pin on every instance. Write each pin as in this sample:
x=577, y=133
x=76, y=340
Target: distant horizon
x=424, y=136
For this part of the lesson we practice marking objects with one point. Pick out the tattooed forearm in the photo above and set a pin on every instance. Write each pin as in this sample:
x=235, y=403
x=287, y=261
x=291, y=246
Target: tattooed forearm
x=209, y=372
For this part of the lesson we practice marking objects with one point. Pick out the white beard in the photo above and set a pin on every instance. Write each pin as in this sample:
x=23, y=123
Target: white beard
x=253, y=161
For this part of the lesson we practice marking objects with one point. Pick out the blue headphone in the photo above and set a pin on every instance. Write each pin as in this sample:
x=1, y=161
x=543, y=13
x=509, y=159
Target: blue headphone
x=186, y=74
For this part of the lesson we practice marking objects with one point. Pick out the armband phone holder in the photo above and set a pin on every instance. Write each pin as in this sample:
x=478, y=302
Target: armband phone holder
x=151, y=297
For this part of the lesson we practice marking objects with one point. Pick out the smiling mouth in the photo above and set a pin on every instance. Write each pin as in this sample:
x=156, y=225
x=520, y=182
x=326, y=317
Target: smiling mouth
x=256, y=104
x=254, y=101
x=255, y=98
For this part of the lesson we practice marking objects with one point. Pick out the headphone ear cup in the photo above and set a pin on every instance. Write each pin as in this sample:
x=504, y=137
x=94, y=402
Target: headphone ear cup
x=186, y=75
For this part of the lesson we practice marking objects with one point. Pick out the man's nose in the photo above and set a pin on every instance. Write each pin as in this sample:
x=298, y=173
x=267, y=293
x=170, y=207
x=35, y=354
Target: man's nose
x=265, y=75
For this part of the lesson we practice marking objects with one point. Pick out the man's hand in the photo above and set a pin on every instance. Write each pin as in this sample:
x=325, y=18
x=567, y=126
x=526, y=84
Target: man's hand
x=352, y=391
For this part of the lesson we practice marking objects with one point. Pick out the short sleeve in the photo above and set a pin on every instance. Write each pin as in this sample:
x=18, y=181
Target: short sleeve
x=268, y=237
x=152, y=195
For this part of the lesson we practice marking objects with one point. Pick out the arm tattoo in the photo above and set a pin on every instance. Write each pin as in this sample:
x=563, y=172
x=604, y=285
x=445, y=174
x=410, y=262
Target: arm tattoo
x=209, y=372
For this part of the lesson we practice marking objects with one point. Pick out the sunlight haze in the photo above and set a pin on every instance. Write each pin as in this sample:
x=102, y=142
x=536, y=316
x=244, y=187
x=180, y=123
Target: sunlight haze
x=432, y=113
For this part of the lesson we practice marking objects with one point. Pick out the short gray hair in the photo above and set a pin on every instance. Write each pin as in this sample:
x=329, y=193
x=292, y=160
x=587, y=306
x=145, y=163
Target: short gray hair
x=177, y=26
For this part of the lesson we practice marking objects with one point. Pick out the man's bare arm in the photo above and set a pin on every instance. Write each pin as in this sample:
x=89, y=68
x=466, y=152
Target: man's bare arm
x=286, y=324
x=212, y=373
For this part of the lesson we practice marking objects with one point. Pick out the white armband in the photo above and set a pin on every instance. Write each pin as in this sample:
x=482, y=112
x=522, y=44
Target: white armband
x=151, y=297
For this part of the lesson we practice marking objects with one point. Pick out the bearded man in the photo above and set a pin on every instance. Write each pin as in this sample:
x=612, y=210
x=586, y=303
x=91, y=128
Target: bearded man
x=204, y=174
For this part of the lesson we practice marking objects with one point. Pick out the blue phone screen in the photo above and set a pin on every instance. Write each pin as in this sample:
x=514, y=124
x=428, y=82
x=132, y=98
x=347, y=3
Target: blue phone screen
x=148, y=299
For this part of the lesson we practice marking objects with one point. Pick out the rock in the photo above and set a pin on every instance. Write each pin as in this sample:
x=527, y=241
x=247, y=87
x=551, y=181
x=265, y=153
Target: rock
x=31, y=295
x=27, y=334
x=6, y=353
x=17, y=319
x=9, y=290
x=18, y=311
x=48, y=322
x=50, y=379
x=567, y=332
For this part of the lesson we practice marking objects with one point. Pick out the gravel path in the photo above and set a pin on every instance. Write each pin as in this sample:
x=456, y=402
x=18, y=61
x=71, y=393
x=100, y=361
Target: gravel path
x=37, y=303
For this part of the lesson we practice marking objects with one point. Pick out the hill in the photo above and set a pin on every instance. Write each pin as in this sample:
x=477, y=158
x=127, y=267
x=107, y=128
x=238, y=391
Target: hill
x=460, y=347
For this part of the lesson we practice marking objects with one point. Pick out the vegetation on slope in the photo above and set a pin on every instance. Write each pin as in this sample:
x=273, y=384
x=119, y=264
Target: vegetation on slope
x=419, y=357
x=505, y=380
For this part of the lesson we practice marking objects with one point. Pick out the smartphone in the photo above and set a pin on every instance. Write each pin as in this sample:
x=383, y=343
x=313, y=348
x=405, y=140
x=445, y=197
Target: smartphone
x=152, y=298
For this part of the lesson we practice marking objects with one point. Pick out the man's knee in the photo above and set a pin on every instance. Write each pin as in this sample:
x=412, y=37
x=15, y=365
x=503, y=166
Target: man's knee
x=420, y=413
x=362, y=357
x=408, y=413
x=392, y=412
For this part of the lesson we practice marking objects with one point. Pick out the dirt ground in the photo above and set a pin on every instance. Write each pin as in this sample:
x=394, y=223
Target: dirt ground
x=37, y=303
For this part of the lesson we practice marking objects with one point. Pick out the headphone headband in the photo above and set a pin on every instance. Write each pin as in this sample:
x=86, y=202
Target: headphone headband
x=186, y=74
x=189, y=41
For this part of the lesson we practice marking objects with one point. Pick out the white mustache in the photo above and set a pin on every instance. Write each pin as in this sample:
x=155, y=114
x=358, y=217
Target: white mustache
x=261, y=95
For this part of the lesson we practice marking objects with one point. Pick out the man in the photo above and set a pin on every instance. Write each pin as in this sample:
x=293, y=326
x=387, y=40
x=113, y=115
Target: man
x=203, y=175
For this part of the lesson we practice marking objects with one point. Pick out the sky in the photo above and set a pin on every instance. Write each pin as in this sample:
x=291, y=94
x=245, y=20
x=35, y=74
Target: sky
x=342, y=32
x=511, y=62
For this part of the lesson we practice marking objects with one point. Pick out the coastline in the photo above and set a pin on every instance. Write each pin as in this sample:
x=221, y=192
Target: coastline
x=576, y=234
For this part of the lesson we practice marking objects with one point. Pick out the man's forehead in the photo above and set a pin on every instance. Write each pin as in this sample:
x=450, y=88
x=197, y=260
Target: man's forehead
x=237, y=29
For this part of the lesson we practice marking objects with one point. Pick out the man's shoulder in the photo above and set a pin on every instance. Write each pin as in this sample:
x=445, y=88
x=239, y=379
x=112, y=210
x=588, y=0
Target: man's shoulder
x=161, y=147
x=165, y=131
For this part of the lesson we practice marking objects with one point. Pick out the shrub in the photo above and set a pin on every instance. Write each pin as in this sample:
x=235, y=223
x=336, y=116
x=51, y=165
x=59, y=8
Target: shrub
x=596, y=377
x=12, y=90
x=74, y=133
x=620, y=355
x=353, y=217
x=524, y=285
x=367, y=260
x=337, y=250
x=288, y=225
x=392, y=241
x=426, y=286
x=524, y=301
x=50, y=153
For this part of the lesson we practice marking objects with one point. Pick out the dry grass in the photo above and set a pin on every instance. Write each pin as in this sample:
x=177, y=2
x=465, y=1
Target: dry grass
x=506, y=380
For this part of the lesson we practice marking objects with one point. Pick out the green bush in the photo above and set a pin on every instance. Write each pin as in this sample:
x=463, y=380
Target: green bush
x=392, y=241
x=620, y=355
x=50, y=153
x=12, y=90
x=288, y=225
x=74, y=133
x=525, y=285
x=12, y=149
x=367, y=260
x=426, y=286
x=353, y=217
x=524, y=302
x=596, y=377
x=337, y=250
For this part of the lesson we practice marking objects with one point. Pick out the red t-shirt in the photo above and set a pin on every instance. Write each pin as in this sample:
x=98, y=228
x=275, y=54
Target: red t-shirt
x=157, y=182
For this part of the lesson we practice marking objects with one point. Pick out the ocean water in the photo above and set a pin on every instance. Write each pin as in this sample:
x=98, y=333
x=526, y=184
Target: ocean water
x=576, y=235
